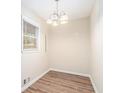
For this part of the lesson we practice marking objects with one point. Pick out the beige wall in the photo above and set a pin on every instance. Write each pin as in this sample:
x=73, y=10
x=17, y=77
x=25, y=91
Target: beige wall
x=34, y=63
x=69, y=46
x=96, y=45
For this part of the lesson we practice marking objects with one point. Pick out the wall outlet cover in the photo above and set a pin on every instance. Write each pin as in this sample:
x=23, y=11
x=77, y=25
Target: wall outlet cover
x=24, y=81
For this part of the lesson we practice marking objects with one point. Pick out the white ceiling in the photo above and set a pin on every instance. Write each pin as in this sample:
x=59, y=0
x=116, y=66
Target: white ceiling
x=74, y=8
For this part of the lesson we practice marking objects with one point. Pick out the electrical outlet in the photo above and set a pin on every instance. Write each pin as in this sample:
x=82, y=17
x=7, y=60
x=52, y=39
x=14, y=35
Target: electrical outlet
x=24, y=81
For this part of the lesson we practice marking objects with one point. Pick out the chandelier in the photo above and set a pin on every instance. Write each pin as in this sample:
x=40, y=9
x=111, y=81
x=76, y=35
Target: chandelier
x=57, y=17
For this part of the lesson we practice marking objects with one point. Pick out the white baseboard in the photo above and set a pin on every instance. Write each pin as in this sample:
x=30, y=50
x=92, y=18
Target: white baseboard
x=93, y=84
x=33, y=81
x=86, y=75
x=70, y=72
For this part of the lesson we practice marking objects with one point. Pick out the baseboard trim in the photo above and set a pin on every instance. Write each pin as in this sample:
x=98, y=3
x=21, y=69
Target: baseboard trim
x=86, y=75
x=93, y=84
x=33, y=81
x=70, y=72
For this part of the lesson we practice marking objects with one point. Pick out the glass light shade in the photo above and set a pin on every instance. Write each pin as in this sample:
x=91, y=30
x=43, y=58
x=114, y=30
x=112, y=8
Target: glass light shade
x=64, y=17
x=54, y=17
x=63, y=22
x=55, y=23
x=49, y=21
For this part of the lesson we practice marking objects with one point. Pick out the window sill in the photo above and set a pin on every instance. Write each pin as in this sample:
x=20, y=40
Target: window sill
x=31, y=51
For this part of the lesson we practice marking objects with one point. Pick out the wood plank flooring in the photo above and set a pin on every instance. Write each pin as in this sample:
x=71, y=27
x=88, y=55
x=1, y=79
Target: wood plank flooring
x=58, y=82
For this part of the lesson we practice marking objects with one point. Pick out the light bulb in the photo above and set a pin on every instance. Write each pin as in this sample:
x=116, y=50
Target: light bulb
x=64, y=17
x=55, y=23
x=54, y=16
x=63, y=22
x=49, y=21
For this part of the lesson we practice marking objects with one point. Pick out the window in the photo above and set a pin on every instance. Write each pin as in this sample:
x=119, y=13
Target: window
x=30, y=35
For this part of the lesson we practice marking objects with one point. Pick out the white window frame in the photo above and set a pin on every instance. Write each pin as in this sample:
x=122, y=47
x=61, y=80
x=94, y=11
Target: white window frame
x=28, y=20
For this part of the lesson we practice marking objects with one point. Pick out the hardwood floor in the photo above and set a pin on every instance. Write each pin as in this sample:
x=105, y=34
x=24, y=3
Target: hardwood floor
x=58, y=82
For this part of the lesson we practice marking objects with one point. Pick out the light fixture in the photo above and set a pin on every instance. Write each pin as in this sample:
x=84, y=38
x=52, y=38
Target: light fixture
x=57, y=17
